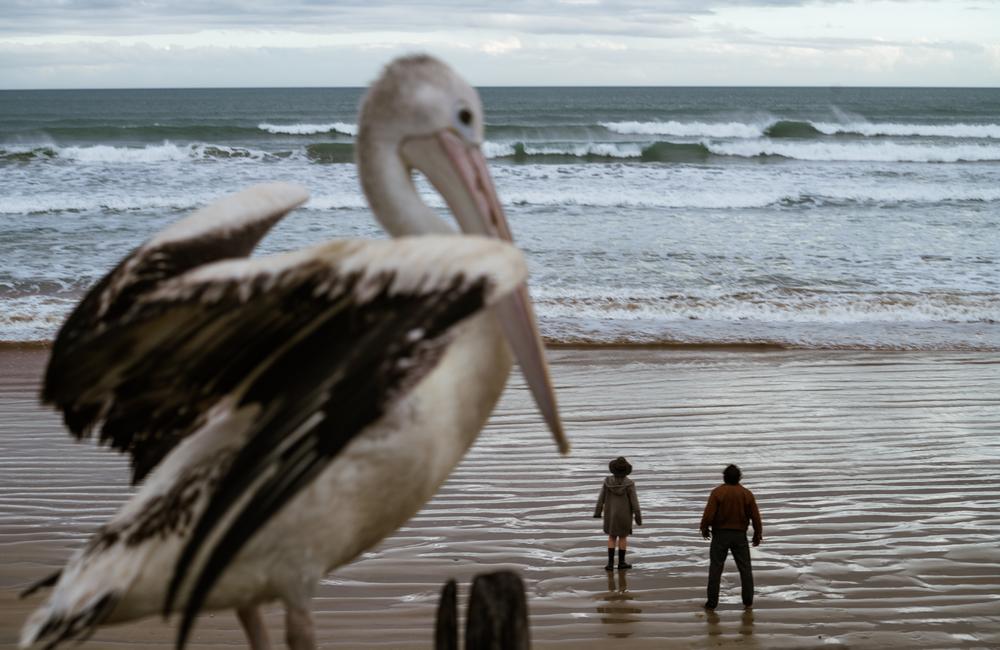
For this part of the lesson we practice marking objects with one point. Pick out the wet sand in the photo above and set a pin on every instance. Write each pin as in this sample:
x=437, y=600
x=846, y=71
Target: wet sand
x=876, y=474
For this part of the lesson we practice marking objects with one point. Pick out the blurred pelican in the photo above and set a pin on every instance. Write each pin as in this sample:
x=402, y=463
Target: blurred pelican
x=285, y=413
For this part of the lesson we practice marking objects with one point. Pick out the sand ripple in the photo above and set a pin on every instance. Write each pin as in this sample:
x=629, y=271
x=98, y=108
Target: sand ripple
x=875, y=474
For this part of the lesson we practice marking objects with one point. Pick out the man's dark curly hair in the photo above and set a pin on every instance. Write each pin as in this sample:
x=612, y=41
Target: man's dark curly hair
x=732, y=474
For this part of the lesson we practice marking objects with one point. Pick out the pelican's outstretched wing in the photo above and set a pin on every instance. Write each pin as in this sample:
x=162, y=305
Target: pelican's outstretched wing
x=325, y=340
x=315, y=344
x=87, y=385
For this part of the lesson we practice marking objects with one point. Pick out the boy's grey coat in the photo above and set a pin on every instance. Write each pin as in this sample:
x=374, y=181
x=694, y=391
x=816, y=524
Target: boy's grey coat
x=619, y=504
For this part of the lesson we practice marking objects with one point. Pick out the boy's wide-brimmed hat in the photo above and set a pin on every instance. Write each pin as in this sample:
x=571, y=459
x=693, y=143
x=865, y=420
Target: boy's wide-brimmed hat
x=620, y=466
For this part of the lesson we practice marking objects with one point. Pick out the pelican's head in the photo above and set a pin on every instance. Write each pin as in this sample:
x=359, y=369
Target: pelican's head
x=420, y=96
x=419, y=115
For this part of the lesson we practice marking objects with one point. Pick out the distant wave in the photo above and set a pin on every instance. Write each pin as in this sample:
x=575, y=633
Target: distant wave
x=597, y=151
x=73, y=202
x=540, y=152
x=107, y=133
x=46, y=203
x=805, y=129
x=331, y=152
x=762, y=147
x=310, y=129
x=751, y=127
x=110, y=133
x=791, y=129
x=520, y=150
x=778, y=128
x=103, y=153
x=688, y=129
x=858, y=151
x=27, y=154
x=324, y=152
x=982, y=131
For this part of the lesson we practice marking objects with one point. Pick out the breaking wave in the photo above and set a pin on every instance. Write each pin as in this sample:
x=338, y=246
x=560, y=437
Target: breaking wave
x=310, y=129
x=762, y=147
x=858, y=151
x=783, y=128
x=597, y=151
x=969, y=131
x=109, y=154
x=791, y=129
x=331, y=152
x=784, y=139
x=688, y=129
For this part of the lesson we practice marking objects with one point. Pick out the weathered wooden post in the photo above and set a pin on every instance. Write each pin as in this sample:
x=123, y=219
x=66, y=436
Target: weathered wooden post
x=446, y=626
x=496, y=618
x=498, y=613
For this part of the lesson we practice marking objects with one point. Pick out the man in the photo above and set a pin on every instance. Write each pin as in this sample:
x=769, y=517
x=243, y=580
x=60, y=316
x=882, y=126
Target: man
x=730, y=509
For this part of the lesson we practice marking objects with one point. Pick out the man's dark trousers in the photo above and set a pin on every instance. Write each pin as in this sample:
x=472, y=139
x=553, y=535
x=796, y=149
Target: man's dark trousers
x=724, y=541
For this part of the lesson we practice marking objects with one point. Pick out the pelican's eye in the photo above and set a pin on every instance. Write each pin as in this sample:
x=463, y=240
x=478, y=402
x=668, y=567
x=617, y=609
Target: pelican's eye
x=465, y=116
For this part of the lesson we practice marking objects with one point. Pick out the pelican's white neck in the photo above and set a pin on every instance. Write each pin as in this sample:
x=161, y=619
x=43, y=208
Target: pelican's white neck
x=388, y=185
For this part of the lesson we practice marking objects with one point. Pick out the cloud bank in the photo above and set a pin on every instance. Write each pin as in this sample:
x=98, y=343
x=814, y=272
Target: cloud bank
x=155, y=43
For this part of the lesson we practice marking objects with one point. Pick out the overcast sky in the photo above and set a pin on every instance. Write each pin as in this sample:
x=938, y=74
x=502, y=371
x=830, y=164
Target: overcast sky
x=159, y=43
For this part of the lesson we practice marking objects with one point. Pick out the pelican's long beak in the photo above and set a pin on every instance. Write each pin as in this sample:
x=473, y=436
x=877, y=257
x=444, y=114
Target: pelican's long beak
x=459, y=172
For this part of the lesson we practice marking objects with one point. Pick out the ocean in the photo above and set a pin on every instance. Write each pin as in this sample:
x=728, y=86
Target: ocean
x=858, y=218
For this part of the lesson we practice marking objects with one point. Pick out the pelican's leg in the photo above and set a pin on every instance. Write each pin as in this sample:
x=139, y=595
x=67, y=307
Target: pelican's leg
x=299, y=632
x=253, y=627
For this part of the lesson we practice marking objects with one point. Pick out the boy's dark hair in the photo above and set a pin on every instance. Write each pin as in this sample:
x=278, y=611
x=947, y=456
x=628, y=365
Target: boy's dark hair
x=732, y=474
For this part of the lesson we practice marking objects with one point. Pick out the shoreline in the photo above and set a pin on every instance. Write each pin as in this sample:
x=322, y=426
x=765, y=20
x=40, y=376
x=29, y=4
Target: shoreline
x=665, y=346
x=868, y=466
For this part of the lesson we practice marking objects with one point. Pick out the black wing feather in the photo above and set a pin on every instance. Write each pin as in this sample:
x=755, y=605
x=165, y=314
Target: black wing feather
x=75, y=380
x=345, y=372
x=320, y=341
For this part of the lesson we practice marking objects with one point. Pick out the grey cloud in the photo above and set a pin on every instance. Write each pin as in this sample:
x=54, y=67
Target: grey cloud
x=842, y=43
x=110, y=65
x=117, y=17
x=537, y=55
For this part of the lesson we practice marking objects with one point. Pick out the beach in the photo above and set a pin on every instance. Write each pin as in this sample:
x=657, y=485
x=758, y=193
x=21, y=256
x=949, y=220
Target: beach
x=875, y=472
x=799, y=280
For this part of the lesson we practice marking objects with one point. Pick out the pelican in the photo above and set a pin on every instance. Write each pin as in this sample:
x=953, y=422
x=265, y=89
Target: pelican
x=285, y=413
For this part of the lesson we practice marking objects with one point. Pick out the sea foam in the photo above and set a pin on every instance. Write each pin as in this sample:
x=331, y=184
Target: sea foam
x=166, y=152
x=857, y=151
x=960, y=130
x=689, y=129
x=755, y=128
x=310, y=129
x=774, y=306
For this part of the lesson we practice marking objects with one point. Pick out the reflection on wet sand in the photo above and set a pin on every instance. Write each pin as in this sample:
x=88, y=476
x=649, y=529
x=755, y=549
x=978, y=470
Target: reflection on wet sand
x=712, y=622
x=746, y=622
x=619, y=610
x=717, y=626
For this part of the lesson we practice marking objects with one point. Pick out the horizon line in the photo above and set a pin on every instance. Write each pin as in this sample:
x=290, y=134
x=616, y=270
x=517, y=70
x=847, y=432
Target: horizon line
x=347, y=87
